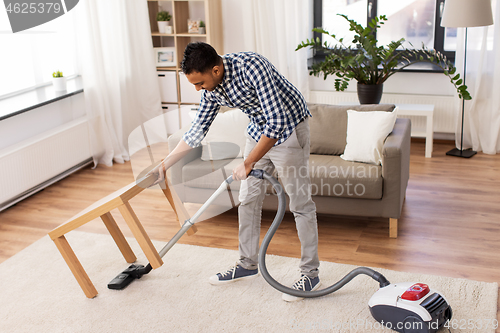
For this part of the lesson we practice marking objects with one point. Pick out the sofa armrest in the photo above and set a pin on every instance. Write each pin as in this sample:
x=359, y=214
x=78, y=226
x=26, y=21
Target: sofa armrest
x=396, y=165
x=395, y=142
x=176, y=169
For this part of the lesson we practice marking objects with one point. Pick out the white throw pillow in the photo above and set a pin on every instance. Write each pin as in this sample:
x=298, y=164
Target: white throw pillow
x=226, y=137
x=366, y=133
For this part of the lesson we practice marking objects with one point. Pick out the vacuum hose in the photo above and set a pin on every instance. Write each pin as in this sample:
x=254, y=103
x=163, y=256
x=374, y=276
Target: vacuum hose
x=269, y=235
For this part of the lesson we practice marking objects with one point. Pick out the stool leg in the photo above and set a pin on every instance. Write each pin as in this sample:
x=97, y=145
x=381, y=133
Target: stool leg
x=75, y=266
x=168, y=195
x=117, y=235
x=140, y=235
x=178, y=207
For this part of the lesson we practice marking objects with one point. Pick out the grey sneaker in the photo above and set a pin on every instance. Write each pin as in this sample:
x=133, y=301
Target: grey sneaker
x=305, y=284
x=235, y=273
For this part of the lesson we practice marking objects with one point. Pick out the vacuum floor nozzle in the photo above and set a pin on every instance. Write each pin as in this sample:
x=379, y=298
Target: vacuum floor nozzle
x=128, y=275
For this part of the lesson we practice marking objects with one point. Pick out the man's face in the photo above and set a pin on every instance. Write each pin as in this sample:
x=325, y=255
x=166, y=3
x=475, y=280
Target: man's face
x=207, y=80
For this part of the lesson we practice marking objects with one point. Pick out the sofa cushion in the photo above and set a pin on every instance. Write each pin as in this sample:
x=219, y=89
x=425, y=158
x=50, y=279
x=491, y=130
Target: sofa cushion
x=331, y=176
x=366, y=133
x=328, y=125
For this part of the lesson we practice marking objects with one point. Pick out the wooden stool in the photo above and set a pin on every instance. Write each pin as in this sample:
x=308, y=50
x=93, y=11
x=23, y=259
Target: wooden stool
x=102, y=208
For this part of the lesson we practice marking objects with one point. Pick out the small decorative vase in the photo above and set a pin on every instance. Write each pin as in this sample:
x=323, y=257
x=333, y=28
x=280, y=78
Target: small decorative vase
x=201, y=30
x=59, y=83
x=370, y=93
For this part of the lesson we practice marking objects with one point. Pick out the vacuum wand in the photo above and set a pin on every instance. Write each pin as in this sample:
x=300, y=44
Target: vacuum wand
x=134, y=271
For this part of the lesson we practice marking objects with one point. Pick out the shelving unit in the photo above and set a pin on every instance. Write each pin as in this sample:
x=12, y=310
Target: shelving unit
x=177, y=93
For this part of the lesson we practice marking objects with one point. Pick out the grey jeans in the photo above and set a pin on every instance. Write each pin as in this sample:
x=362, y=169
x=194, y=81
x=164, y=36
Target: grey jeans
x=291, y=160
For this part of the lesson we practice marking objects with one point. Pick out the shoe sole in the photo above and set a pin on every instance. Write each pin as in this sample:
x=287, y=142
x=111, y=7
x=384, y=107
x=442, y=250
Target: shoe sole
x=291, y=298
x=216, y=282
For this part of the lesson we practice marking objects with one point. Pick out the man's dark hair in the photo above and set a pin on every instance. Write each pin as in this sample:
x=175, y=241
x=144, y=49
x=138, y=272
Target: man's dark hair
x=199, y=57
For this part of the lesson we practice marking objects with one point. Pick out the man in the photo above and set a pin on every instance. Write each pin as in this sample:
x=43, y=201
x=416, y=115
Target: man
x=277, y=137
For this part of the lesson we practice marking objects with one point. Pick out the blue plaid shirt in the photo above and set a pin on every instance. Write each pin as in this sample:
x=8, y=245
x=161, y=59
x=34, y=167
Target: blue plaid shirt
x=252, y=84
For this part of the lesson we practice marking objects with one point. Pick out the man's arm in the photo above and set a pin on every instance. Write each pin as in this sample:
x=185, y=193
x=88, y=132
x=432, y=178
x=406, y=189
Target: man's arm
x=260, y=76
x=199, y=127
x=241, y=172
x=175, y=155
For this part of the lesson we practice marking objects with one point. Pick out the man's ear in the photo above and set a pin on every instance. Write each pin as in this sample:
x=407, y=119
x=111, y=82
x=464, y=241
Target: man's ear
x=216, y=70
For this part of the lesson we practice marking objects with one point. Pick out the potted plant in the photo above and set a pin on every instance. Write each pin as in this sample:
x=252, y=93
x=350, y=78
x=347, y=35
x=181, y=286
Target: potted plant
x=59, y=81
x=201, y=29
x=372, y=65
x=163, y=19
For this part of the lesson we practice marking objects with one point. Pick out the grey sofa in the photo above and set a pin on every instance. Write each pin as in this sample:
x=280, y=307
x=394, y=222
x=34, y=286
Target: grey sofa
x=339, y=187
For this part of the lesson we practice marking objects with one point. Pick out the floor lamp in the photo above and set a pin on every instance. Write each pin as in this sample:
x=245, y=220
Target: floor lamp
x=464, y=14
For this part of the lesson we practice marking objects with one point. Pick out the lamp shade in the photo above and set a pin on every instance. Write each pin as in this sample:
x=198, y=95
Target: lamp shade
x=467, y=13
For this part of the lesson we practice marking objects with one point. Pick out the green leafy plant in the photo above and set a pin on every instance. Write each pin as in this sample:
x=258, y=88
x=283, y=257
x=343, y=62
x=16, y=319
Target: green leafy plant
x=202, y=24
x=57, y=74
x=368, y=63
x=163, y=16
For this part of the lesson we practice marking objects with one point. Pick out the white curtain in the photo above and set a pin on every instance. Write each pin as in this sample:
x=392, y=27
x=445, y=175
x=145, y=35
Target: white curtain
x=482, y=113
x=274, y=28
x=117, y=65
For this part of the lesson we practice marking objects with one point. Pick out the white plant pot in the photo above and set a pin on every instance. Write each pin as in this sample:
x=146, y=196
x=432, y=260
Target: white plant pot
x=59, y=83
x=162, y=25
x=201, y=30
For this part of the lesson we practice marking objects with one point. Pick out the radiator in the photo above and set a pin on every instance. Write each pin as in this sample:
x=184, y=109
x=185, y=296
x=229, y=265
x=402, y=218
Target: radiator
x=33, y=164
x=445, y=107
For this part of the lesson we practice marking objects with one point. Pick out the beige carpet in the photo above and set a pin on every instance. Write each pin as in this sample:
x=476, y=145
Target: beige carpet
x=38, y=293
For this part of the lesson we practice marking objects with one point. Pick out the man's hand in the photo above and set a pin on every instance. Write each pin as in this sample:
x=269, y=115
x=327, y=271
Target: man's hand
x=241, y=171
x=158, y=173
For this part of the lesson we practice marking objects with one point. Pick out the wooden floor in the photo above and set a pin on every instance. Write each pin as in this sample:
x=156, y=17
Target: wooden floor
x=450, y=223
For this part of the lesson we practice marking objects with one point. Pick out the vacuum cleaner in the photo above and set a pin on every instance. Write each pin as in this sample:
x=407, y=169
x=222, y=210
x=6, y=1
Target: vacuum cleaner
x=408, y=307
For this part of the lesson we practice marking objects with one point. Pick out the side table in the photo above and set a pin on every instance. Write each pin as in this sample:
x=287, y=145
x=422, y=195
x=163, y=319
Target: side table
x=421, y=110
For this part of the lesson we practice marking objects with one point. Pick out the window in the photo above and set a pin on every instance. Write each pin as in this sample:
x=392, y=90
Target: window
x=418, y=21
x=28, y=58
